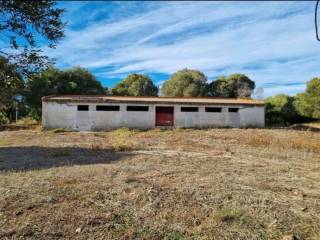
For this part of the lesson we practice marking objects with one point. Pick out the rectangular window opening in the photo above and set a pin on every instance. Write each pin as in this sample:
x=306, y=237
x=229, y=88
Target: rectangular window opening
x=83, y=107
x=233, y=109
x=189, y=109
x=213, y=109
x=107, y=108
x=138, y=108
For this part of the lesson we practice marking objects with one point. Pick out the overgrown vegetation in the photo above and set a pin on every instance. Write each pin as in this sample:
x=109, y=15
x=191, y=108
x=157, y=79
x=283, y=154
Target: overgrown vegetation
x=27, y=121
x=122, y=140
x=3, y=118
x=286, y=110
x=308, y=103
x=281, y=111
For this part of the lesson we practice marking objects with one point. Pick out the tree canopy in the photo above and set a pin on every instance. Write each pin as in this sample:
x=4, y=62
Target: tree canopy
x=53, y=81
x=280, y=110
x=236, y=85
x=26, y=24
x=11, y=85
x=185, y=83
x=11, y=82
x=136, y=85
x=308, y=103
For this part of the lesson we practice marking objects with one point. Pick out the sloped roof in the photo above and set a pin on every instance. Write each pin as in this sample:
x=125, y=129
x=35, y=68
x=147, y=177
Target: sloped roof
x=164, y=100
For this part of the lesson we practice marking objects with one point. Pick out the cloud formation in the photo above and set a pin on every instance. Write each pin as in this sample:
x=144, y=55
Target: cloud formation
x=271, y=42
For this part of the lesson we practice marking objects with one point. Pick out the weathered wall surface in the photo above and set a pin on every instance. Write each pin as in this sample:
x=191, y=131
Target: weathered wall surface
x=252, y=117
x=123, y=118
x=199, y=119
x=64, y=115
x=56, y=115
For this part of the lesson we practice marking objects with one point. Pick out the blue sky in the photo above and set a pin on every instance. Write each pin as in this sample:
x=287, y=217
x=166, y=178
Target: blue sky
x=271, y=42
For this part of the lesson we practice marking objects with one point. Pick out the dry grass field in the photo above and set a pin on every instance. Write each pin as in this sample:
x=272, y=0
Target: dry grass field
x=160, y=184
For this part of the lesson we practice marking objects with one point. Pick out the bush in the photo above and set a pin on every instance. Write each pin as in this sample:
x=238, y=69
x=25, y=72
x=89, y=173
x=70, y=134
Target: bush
x=281, y=111
x=27, y=121
x=308, y=103
x=3, y=118
x=35, y=113
x=121, y=140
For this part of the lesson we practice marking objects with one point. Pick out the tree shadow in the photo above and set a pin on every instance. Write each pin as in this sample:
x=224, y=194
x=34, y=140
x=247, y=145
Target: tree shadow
x=33, y=157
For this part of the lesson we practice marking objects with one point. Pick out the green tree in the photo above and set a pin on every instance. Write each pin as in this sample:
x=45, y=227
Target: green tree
x=308, y=103
x=11, y=85
x=53, y=81
x=236, y=85
x=185, y=83
x=23, y=26
x=280, y=110
x=135, y=85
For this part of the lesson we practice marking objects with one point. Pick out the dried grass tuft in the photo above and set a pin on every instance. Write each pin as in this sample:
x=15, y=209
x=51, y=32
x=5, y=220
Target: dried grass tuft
x=121, y=140
x=262, y=140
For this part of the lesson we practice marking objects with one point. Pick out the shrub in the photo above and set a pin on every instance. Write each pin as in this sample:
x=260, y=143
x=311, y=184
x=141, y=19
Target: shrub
x=281, y=111
x=307, y=103
x=27, y=121
x=3, y=118
x=121, y=139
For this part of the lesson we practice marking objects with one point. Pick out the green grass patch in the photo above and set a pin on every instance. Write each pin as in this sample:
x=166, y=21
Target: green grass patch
x=228, y=215
x=174, y=235
x=5, y=142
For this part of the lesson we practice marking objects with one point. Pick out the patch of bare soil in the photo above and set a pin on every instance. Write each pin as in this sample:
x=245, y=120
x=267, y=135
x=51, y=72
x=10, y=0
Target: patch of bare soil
x=160, y=184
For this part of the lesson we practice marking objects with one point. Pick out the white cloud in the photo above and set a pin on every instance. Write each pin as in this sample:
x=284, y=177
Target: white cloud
x=290, y=90
x=217, y=38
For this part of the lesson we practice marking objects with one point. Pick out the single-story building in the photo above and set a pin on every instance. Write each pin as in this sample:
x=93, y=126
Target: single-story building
x=83, y=112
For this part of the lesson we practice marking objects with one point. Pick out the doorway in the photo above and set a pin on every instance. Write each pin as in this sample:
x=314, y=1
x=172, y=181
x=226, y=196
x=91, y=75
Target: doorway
x=164, y=116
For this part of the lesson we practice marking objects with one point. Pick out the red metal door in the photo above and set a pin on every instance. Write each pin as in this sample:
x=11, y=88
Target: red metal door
x=164, y=116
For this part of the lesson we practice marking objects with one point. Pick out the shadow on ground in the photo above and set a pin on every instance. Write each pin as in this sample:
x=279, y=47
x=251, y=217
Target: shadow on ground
x=31, y=158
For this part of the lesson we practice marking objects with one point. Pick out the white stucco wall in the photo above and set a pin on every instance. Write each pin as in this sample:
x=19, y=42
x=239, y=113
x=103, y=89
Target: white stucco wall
x=123, y=118
x=57, y=115
x=65, y=115
x=252, y=117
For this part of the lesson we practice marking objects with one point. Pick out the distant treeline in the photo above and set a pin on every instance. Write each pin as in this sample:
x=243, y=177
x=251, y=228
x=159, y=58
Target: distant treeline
x=282, y=109
x=26, y=75
x=25, y=94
